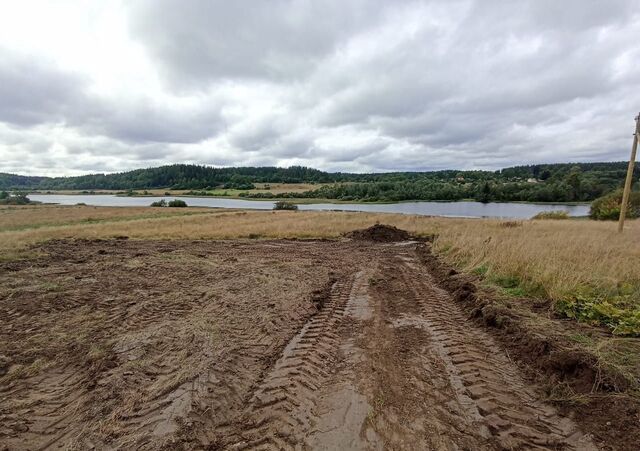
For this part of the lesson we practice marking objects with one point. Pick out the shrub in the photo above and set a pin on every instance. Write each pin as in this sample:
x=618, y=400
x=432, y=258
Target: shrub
x=284, y=205
x=556, y=214
x=14, y=199
x=160, y=203
x=608, y=207
x=177, y=203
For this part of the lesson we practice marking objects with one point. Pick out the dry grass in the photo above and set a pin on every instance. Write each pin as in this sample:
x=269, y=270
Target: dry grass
x=214, y=224
x=35, y=216
x=560, y=255
x=585, y=266
x=558, y=259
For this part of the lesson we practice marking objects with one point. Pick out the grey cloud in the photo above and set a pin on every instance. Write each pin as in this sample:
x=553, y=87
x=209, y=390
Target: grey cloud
x=199, y=41
x=357, y=86
x=35, y=91
x=142, y=121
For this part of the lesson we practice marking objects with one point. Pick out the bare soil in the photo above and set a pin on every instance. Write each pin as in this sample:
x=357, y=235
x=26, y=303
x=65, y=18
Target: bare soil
x=380, y=233
x=348, y=344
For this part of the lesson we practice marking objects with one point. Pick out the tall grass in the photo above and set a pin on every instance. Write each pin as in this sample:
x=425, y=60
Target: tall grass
x=586, y=266
x=31, y=216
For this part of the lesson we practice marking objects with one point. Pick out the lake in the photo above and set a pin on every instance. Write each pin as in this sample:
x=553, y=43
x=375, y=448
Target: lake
x=510, y=210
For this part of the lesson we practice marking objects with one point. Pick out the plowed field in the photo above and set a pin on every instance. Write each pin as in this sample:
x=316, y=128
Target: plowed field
x=330, y=345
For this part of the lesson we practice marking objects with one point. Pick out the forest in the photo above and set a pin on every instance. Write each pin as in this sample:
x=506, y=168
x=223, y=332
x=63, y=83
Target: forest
x=567, y=182
x=541, y=183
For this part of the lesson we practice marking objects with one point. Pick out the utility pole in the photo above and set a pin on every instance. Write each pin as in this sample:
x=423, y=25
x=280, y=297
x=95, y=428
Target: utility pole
x=627, y=183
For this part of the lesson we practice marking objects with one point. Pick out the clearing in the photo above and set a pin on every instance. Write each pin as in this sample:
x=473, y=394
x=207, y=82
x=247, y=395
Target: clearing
x=270, y=344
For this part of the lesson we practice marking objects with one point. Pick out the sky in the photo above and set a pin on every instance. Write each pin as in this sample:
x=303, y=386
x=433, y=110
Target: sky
x=338, y=85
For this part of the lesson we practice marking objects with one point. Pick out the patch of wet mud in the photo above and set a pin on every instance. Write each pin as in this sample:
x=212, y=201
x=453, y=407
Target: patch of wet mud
x=165, y=341
x=343, y=411
x=611, y=416
x=256, y=345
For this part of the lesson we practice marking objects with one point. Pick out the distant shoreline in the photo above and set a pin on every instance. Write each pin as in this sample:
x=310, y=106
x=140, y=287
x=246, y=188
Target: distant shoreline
x=301, y=200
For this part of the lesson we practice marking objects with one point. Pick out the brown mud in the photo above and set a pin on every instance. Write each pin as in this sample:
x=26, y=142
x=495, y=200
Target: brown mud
x=263, y=345
x=606, y=407
x=380, y=233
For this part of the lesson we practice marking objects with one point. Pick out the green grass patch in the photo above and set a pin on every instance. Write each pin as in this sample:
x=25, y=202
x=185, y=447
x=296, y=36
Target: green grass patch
x=514, y=286
x=481, y=270
x=619, y=312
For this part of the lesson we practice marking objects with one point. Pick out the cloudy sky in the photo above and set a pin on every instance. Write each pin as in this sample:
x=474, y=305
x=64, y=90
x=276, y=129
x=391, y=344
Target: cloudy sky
x=349, y=85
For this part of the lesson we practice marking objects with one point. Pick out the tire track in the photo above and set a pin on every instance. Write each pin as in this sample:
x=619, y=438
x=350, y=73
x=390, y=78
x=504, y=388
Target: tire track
x=202, y=357
x=486, y=382
x=280, y=412
x=48, y=411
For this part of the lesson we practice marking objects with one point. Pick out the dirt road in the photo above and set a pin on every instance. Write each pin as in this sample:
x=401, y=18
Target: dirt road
x=254, y=345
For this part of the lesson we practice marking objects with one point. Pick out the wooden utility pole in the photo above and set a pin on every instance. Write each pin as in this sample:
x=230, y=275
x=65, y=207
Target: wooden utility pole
x=627, y=183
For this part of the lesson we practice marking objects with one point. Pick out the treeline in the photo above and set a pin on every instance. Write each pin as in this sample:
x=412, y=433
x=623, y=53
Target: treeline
x=537, y=183
x=561, y=183
x=18, y=182
x=177, y=176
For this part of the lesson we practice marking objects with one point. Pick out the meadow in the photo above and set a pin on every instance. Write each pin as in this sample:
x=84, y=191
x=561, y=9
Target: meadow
x=586, y=267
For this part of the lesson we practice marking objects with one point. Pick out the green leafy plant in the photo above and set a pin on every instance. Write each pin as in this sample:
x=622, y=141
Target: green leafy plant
x=620, y=313
x=608, y=207
x=284, y=205
x=177, y=203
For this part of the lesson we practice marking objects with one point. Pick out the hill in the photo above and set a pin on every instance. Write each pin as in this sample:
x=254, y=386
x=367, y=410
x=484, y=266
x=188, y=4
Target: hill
x=567, y=182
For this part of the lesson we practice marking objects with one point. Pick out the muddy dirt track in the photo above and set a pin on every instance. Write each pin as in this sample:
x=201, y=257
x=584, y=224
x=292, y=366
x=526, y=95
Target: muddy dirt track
x=327, y=345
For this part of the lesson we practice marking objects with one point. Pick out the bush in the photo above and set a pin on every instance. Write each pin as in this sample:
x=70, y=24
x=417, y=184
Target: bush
x=608, y=207
x=556, y=214
x=14, y=199
x=284, y=205
x=177, y=203
x=160, y=203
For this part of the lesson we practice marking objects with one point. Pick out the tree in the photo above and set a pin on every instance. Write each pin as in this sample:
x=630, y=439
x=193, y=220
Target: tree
x=574, y=180
x=485, y=193
x=284, y=205
x=545, y=175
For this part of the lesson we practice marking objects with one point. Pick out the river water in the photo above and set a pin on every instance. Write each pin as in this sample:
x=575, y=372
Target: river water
x=507, y=210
